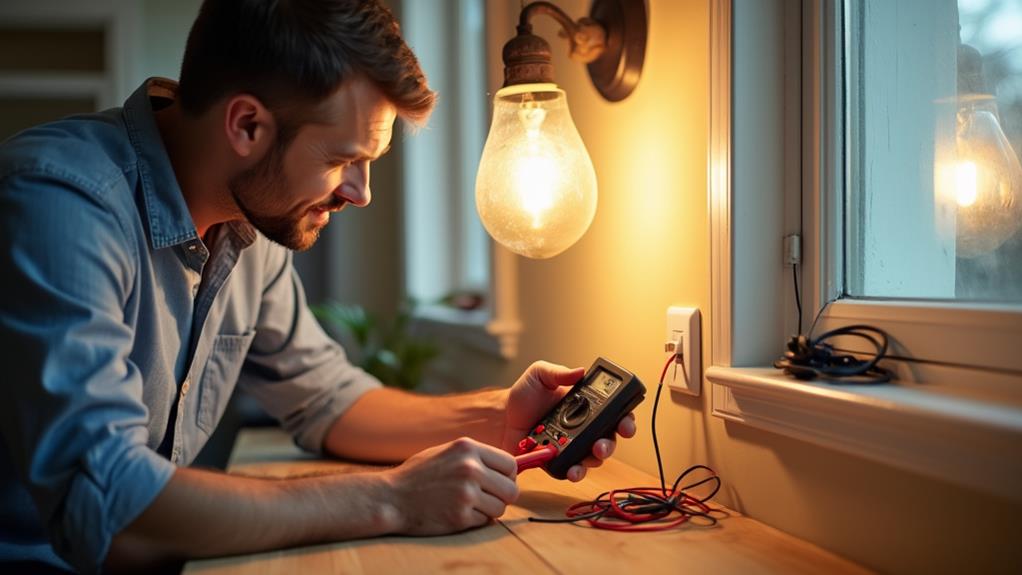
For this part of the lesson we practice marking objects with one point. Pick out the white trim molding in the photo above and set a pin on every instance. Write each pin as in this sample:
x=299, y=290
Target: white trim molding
x=964, y=441
x=58, y=85
x=824, y=167
x=505, y=323
x=473, y=329
x=121, y=22
x=719, y=178
x=494, y=330
x=966, y=348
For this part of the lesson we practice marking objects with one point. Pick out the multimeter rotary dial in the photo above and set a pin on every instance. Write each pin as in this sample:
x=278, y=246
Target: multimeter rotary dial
x=575, y=412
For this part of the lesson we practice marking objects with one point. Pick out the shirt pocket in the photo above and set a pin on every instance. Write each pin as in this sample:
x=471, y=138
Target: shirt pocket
x=220, y=376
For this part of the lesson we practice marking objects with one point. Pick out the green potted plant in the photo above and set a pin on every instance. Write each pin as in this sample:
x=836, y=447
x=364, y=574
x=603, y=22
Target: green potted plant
x=388, y=352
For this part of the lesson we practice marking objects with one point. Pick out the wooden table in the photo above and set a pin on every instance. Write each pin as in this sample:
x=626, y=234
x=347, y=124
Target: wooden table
x=514, y=545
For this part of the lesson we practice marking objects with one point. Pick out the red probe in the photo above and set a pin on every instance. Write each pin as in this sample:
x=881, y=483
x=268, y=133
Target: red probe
x=536, y=458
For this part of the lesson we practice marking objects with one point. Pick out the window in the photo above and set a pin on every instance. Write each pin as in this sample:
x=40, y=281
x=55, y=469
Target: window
x=59, y=57
x=28, y=55
x=926, y=211
x=843, y=121
x=934, y=180
x=446, y=244
x=464, y=286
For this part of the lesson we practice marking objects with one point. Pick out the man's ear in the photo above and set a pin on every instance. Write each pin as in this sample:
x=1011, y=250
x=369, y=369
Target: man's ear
x=248, y=125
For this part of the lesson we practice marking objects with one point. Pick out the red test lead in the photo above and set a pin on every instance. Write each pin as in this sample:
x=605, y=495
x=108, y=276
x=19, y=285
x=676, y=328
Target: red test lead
x=536, y=458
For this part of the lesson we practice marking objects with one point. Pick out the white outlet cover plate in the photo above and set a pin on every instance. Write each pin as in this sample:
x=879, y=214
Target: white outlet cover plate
x=686, y=378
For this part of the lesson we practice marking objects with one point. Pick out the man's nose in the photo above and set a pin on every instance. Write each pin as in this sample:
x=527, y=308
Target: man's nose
x=355, y=185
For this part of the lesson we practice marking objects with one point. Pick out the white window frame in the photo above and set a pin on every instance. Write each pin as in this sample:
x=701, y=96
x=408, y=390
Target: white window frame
x=957, y=415
x=120, y=20
x=445, y=241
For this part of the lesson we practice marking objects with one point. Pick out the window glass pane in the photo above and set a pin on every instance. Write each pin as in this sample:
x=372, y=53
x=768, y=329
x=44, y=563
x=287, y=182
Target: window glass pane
x=934, y=121
x=447, y=250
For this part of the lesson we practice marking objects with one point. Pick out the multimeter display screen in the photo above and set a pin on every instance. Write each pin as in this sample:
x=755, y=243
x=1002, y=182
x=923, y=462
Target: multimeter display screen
x=604, y=383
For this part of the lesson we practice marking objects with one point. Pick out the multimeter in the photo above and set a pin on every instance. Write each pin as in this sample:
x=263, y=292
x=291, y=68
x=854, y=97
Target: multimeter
x=590, y=410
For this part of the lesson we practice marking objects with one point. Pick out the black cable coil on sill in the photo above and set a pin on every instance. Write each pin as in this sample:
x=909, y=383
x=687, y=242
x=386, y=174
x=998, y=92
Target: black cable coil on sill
x=809, y=358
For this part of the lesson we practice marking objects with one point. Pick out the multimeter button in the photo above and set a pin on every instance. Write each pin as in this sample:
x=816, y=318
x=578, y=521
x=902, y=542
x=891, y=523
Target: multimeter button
x=539, y=429
x=526, y=444
x=562, y=439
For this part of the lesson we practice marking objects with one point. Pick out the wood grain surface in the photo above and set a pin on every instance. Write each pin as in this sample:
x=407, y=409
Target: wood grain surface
x=513, y=544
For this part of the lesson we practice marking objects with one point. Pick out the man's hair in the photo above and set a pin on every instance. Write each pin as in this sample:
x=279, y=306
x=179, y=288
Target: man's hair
x=292, y=54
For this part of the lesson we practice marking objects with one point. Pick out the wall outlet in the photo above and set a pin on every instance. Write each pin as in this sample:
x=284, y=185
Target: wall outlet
x=686, y=377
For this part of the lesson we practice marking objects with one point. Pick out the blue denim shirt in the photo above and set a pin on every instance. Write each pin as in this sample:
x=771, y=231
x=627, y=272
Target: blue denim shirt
x=113, y=310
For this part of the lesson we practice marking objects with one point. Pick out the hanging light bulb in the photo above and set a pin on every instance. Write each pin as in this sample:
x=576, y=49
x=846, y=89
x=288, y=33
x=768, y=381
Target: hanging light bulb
x=536, y=186
x=988, y=183
x=987, y=173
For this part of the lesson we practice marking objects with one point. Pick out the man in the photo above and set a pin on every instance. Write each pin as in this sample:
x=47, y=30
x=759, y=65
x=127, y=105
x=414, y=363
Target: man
x=147, y=269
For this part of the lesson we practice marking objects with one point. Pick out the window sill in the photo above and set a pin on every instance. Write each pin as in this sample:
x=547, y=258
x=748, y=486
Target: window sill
x=961, y=440
x=476, y=329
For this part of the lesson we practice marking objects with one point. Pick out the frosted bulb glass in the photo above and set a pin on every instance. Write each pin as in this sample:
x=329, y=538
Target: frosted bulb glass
x=536, y=187
x=988, y=185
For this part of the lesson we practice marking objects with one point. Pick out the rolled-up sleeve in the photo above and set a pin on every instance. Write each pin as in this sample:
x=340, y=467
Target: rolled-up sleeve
x=297, y=372
x=72, y=416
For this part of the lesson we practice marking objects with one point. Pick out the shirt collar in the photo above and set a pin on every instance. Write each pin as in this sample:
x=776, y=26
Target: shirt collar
x=170, y=222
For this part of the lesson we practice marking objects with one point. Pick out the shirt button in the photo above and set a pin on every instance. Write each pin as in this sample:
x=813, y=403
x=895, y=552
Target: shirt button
x=192, y=247
x=185, y=386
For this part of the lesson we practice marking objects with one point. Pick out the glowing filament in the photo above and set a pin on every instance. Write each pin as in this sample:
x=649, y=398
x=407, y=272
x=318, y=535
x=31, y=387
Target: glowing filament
x=965, y=183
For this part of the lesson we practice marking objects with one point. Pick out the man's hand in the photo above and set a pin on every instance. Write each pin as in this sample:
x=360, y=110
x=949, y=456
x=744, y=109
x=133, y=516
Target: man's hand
x=452, y=487
x=540, y=388
x=444, y=489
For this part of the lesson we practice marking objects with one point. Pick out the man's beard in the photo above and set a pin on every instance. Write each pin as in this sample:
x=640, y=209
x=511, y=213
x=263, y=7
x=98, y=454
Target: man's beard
x=257, y=193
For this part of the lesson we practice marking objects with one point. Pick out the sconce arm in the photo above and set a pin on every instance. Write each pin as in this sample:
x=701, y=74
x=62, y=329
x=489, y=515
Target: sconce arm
x=587, y=37
x=611, y=41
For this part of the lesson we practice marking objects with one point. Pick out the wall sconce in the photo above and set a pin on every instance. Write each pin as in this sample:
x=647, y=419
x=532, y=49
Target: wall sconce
x=536, y=187
x=987, y=173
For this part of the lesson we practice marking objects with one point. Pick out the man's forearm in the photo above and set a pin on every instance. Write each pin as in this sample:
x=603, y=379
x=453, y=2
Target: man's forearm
x=204, y=514
x=389, y=425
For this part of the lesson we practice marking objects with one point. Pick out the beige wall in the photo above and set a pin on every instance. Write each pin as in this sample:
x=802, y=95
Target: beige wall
x=648, y=248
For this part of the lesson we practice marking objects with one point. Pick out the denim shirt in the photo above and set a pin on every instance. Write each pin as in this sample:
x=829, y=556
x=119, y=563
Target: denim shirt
x=113, y=312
